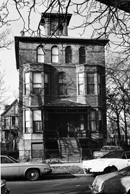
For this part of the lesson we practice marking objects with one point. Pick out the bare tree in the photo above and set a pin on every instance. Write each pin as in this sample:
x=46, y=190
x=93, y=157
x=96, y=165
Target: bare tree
x=118, y=98
x=3, y=89
x=109, y=19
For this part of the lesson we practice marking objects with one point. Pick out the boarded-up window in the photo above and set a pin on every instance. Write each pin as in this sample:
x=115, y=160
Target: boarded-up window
x=37, y=150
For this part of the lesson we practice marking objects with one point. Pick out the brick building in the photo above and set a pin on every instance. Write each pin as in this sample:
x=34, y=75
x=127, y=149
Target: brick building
x=61, y=90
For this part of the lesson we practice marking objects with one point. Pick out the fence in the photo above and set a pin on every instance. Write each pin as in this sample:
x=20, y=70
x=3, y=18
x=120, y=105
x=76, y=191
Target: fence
x=53, y=155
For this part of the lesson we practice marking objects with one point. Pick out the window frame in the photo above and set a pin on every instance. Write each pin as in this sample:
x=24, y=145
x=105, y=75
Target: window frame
x=39, y=122
x=68, y=55
x=40, y=54
x=62, y=85
x=80, y=85
x=90, y=86
x=27, y=83
x=54, y=55
x=36, y=86
x=99, y=91
x=47, y=84
x=82, y=55
x=27, y=121
x=93, y=121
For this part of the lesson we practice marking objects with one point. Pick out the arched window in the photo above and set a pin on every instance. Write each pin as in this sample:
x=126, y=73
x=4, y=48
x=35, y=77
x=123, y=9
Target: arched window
x=82, y=56
x=68, y=54
x=40, y=54
x=54, y=54
x=62, y=83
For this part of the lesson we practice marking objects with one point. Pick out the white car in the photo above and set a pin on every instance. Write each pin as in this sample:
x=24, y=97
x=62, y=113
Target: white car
x=112, y=183
x=10, y=167
x=111, y=162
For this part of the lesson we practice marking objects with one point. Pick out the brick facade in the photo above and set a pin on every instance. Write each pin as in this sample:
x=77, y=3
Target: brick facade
x=54, y=104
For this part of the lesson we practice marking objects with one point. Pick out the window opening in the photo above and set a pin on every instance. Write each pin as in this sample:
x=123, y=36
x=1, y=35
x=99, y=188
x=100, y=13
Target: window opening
x=68, y=54
x=82, y=56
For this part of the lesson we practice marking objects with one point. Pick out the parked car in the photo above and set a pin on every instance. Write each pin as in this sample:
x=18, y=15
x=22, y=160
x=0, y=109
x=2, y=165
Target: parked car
x=112, y=183
x=4, y=189
x=105, y=149
x=111, y=162
x=10, y=167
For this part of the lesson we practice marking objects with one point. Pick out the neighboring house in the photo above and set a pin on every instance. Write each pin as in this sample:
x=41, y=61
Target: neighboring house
x=9, y=127
x=61, y=90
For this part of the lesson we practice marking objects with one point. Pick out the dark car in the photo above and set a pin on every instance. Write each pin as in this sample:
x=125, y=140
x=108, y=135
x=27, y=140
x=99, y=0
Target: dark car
x=112, y=183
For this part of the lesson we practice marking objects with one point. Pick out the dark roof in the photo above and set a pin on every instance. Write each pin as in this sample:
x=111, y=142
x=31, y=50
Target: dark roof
x=66, y=104
x=9, y=107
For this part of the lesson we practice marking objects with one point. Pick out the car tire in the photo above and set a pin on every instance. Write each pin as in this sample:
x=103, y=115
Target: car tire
x=128, y=192
x=113, y=169
x=110, y=169
x=32, y=174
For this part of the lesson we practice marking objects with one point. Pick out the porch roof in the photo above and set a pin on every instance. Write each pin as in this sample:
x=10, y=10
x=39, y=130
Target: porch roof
x=65, y=104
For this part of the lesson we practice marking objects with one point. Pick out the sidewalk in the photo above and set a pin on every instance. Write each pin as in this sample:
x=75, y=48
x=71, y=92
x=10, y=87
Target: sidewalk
x=67, y=164
x=67, y=169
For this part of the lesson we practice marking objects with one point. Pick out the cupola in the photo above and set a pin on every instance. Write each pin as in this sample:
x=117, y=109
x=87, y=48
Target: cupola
x=55, y=23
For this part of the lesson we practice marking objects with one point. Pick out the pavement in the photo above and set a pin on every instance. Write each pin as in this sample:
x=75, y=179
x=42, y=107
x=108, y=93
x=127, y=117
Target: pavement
x=67, y=164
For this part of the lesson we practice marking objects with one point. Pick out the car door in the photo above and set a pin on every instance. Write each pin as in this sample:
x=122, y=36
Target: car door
x=8, y=167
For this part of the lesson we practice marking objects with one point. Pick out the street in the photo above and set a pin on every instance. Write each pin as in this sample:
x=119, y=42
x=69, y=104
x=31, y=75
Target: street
x=75, y=185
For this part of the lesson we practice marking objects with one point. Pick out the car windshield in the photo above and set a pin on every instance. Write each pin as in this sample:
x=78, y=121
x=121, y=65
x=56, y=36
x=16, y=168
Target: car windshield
x=114, y=154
